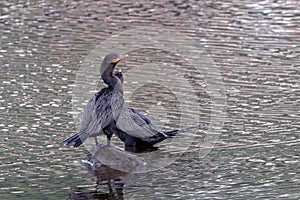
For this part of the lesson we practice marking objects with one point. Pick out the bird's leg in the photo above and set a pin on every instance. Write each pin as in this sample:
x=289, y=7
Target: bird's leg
x=110, y=187
x=108, y=142
x=108, y=135
x=96, y=141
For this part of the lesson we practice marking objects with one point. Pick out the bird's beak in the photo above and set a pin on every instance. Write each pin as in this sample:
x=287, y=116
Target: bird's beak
x=119, y=58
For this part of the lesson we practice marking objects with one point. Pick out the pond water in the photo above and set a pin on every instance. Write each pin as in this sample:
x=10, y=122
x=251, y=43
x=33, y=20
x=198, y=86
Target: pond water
x=254, y=46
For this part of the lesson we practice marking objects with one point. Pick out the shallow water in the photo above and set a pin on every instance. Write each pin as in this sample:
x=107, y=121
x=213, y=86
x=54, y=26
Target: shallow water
x=255, y=46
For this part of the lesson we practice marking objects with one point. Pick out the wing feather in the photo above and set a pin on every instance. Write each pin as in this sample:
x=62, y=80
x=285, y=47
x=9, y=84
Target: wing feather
x=100, y=111
x=136, y=124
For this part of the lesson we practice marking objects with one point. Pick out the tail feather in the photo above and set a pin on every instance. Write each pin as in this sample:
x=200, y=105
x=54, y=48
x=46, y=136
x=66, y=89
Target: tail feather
x=150, y=141
x=171, y=133
x=176, y=131
x=77, y=139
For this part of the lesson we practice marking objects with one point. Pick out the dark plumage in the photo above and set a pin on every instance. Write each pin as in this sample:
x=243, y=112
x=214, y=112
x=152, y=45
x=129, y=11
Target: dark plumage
x=146, y=137
x=104, y=107
x=140, y=142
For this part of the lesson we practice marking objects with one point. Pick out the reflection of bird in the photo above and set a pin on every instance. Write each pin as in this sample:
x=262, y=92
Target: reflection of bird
x=144, y=134
x=103, y=107
x=115, y=179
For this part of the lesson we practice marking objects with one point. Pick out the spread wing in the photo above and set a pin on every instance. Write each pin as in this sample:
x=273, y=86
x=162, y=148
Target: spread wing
x=136, y=124
x=101, y=110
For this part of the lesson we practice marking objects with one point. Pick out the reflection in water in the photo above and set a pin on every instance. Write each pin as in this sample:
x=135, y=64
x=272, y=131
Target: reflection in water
x=110, y=180
x=110, y=195
x=112, y=168
x=106, y=175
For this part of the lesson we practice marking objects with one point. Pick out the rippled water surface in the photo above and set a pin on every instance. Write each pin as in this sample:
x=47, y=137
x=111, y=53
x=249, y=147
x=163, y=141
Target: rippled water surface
x=255, y=46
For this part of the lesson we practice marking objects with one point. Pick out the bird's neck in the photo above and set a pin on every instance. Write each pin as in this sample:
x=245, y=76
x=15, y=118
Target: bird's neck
x=110, y=79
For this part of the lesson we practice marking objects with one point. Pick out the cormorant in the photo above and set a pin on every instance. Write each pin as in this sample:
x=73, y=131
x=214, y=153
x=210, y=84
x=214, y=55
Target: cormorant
x=139, y=141
x=104, y=107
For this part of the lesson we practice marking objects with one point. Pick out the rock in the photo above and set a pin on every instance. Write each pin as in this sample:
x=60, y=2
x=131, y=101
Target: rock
x=117, y=159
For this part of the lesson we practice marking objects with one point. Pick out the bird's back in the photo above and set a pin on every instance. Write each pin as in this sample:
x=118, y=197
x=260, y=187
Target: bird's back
x=136, y=124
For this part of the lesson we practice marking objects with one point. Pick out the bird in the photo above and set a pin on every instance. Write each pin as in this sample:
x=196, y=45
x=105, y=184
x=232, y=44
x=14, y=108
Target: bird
x=141, y=139
x=140, y=142
x=104, y=107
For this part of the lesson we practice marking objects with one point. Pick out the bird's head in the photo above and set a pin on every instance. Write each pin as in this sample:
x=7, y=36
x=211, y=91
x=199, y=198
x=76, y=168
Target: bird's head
x=112, y=59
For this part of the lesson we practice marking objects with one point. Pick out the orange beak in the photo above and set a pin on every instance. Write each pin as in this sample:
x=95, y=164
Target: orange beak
x=119, y=58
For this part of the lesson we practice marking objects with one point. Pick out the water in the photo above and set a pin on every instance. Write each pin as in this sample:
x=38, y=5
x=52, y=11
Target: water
x=255, y=46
